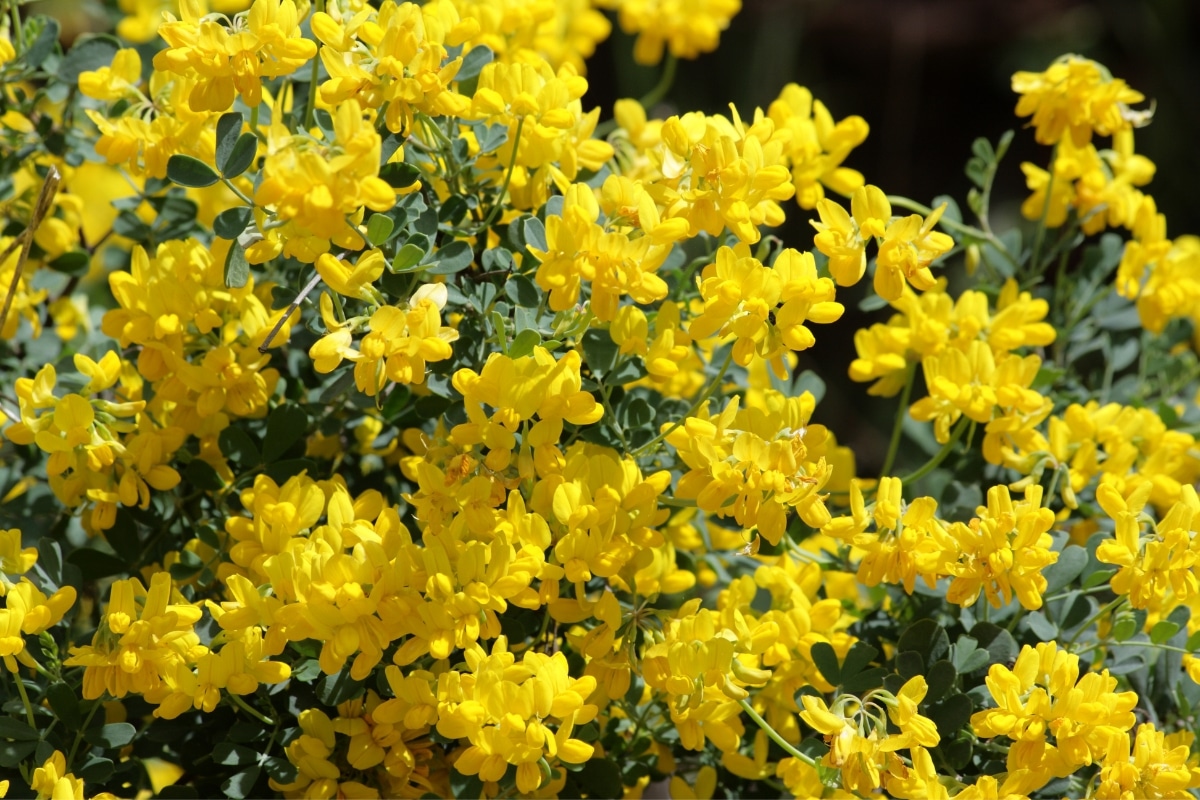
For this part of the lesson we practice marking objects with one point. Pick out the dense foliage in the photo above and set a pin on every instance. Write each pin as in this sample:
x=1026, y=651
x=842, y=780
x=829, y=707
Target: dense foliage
x=384, y=423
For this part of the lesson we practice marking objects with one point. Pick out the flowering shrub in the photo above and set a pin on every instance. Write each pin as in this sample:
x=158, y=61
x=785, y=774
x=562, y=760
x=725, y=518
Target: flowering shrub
x=383, y=423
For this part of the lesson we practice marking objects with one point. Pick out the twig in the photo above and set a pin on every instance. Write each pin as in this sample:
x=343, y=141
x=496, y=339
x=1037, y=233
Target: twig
x=40, y=209
x=312, y=284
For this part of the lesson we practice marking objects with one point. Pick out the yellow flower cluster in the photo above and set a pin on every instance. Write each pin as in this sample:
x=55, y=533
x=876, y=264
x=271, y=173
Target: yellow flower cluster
x=907, y=246
x=1057, y=721
x=756, y=463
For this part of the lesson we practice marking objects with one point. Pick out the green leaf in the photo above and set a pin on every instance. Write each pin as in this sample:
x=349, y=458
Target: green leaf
x=334, y=689
x=65, y=704
x=286, y=426
x=857, y=659
x=534, y=233
x=476, y=59
x=408, y=259
x=809, y=381
x=237, y=268
x=602, y=778
x=1042, y=628
x=232, y=222
x=451, y=258
x=925, y=637
x=237, y=446
x=1162, y=631
x=13, y=753
x=491, y=137
x=282, y=770
x=1124, y=628
x=241, y=157
x=96, y=769
x=96, y=564
x=824, y=657
x=999, y=643
x=399, y=175
x=36, y=54
x=940, y=676
x=308, y=671
x=599, y=351
x=1071, y=562
x=234, y=755
x=522, y=291
x=241, y=785
x=951, y=714
x=88, y=53
x=11, y=728
x=524, y=342
x=909, y=664
x=72, y=262
x=229, y=128
x=379, y=229
x=1098, y=577
x=201, y=475
x=112, y=736
x=863, y=681
x=191, y=172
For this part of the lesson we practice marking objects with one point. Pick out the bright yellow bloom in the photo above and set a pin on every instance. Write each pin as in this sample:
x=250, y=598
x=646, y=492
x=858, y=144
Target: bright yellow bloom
x=1003, y=551
x=686, y=29
x=1074, y=97
x=264, y=42
x=1042, y=696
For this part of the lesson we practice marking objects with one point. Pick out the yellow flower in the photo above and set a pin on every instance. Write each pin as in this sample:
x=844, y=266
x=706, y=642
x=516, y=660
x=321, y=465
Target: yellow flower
x=686, y=30
x=264, y=42
x=1074, y=97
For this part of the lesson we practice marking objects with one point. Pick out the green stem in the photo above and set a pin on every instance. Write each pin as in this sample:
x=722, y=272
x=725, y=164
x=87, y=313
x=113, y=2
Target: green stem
x=512, y=165
x=707, y=393
x=242, y=704
x=254, y=119
x=774, y=734
x=665, y=81
x=310, y=104
x=79, y=733
x=18, y=35
x=898, y=425
x=1041, y=231
x=1104, y=610
x=1065, y=595
x=940, y=456
x=25, y=700
x=606, y=400
x=957, y=227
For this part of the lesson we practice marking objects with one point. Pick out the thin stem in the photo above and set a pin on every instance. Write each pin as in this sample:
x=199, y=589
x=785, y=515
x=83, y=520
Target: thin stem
x=254, y=119
x=940, y=456
x=606, y=400
x=665, y=81
x=266, y=345
x=25, y=699
x=40, y=209
x=240, y=195
x=242, y=704
x=957, y=227
x=18, y=35
x=310, y=104
x=1041, y=231
x=898, y=425
x=707, y=393
x=79, y=733
x=774, y=734
x=1065, y=595
x=1104, y=610
x=512, y=165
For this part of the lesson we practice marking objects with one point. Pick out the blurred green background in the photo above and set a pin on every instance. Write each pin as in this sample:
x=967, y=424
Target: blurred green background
x=930, y=76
